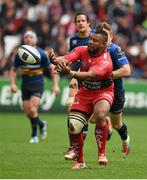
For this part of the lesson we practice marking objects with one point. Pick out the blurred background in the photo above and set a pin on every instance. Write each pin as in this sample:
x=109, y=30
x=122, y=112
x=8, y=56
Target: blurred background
x=52, y=20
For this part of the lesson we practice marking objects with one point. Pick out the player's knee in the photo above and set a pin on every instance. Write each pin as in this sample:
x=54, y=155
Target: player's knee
x=76, y=123
x=32, y=111
x=99, y=118
x=99, y=115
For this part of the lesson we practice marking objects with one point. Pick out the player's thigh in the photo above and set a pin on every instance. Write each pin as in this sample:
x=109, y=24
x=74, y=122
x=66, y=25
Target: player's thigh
x=26, y=105
x=72, y=92
x=101, y=108
x=34, y=101
x=118, y=103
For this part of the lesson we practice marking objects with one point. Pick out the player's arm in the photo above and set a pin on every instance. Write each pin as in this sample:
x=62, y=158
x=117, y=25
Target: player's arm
x=96, y=72
x=13, y=75
x=55, y=60
x=48, y=57
x=89, y=75
x=124, y=71
x=122, y=61
x=55, y=79
x=73, y=56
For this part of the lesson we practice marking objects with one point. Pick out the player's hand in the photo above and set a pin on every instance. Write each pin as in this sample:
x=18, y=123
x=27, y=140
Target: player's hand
x=63, y=68
x=13, y=88
x=73, y=84
x=52, y=56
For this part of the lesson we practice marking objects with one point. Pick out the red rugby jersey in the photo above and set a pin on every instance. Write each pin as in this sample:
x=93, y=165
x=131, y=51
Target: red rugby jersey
x=102, y=64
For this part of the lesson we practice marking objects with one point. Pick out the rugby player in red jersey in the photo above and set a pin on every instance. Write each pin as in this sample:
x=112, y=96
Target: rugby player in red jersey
x=80, y=38
x=95, y=94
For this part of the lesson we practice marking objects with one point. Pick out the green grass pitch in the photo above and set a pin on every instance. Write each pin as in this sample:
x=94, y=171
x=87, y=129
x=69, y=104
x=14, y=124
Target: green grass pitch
x=19, y=159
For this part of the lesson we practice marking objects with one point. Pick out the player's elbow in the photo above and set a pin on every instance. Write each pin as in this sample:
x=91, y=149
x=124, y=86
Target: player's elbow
x=127, y=71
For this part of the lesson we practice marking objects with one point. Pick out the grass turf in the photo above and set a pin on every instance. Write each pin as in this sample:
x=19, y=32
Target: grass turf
x=21, y=160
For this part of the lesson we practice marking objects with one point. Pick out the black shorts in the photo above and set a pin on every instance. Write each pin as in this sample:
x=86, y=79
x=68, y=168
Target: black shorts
x=118, y=103
x=35, y=89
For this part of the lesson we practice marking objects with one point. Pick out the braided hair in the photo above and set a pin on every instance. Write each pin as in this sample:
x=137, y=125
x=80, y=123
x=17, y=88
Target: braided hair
x=104, y=34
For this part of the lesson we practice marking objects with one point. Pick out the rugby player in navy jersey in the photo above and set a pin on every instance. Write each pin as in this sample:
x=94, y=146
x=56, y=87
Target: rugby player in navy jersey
x=121, y=68
x=32, y=86
x=81, y=38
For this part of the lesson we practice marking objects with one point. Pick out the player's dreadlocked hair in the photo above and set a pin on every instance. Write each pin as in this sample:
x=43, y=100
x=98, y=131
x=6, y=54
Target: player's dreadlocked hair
x=104, y=34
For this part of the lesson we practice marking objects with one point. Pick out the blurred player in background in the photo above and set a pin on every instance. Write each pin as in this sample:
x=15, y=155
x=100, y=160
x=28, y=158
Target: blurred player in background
x=32, y=85
x=121, y=69
x=95, y=94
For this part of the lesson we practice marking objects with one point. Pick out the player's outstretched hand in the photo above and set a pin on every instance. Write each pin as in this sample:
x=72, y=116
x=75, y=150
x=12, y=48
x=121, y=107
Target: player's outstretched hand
x=52, y=56
x=73, y=84
x=13, y=88
x=62, y=67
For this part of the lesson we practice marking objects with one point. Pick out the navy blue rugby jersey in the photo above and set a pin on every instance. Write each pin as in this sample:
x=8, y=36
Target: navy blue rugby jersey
x=76, y=41
x=119, y=59
x=32, y=73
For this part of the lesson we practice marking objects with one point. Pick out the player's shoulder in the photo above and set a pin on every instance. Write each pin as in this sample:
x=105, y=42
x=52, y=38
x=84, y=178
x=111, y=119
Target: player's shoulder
x=81, y=48
x=113, y=47
x=74, y=36
x=40, y=50
x=93, y=30
x=105, y=56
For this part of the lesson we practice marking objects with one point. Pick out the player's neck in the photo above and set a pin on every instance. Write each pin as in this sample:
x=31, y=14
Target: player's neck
x=85, y=33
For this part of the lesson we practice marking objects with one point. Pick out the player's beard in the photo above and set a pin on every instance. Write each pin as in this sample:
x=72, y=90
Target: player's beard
x=96, y=52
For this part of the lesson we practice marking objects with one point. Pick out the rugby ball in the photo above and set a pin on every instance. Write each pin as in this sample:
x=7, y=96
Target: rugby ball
x=29, y=54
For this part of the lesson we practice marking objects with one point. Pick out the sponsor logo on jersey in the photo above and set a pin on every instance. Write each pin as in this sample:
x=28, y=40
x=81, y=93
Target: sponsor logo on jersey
x=120, y=53
x=103, y=64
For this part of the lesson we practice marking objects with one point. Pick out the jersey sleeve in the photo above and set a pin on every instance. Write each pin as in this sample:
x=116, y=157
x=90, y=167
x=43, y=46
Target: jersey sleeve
x=118, y=56
x=16, y=62
x=45, y=61
x=74, y=55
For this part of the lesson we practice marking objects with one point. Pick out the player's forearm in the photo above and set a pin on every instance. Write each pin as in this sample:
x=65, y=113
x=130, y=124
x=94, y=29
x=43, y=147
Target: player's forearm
x=125, y=71
x=12, y=76
x=55, y=79
x=54, y=75
x=90, y=75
